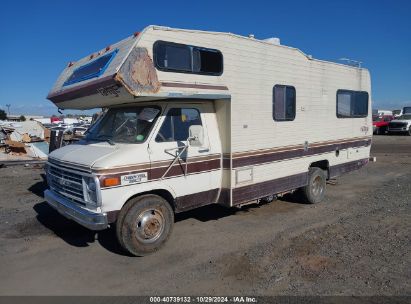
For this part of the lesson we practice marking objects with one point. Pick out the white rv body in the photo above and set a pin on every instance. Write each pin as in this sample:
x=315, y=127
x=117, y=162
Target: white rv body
x=245, y=154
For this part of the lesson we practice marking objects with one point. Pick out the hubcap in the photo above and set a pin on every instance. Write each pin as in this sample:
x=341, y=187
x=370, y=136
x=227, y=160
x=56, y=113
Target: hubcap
x=150, y=225
x=317, y=186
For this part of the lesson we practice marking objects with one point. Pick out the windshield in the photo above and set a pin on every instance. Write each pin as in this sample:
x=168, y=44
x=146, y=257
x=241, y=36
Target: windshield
x=124, y=125
x=405, y=117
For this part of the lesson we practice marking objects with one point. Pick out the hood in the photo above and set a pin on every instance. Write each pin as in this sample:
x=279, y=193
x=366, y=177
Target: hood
x=84, y=155
x=102, y=155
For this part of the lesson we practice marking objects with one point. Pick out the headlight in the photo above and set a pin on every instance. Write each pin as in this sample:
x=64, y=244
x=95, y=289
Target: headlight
x=91, y=190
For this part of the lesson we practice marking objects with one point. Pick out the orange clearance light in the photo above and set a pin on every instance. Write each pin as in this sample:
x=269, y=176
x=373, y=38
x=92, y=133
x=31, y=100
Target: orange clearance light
x=108, y=48
x=136, y=34
x=70, y=64
x=111, y=181
x=91, y=56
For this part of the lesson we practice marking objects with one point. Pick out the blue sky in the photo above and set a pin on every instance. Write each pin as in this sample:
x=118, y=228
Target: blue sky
x=38, y=38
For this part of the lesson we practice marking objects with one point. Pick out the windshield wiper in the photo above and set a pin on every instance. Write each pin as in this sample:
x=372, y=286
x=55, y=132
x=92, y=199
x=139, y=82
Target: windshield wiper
x=110, y=142
x=101, y=138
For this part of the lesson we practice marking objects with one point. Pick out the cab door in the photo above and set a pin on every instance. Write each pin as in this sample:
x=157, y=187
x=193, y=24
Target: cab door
x=190, y=169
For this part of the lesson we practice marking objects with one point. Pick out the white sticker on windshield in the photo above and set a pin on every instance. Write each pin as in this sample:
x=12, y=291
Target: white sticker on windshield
x=148, y=114
x=134, y=178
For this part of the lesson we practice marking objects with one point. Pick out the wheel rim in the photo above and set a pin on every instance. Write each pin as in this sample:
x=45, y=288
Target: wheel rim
x=317, y=186
x=150, y=225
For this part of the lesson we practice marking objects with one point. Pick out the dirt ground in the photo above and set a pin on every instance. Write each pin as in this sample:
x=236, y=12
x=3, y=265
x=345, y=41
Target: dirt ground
x=357, y=242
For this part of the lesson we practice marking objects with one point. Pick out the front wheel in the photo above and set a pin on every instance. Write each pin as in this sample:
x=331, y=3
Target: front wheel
x=144, y=224
x=314, y=192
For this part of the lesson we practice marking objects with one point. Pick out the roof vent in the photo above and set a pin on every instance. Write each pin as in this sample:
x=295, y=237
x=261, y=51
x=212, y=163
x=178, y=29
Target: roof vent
x=251, y=36
x=273, y=40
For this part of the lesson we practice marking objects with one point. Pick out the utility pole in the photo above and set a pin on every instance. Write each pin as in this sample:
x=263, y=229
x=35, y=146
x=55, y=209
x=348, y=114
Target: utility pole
x=8, y=108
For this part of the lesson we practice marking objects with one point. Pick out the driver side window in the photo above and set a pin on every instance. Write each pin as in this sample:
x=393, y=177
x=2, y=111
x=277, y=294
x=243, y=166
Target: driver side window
x=176, y=124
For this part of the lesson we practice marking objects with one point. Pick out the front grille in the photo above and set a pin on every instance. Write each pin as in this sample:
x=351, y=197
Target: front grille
x=67, y=184
x=396, y=125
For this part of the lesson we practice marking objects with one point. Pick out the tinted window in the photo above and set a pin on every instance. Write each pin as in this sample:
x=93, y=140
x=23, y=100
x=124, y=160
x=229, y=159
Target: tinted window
x=175, y=57
x=352, y=104
x=176, y=124
x=283, y=103
x=91, y=69
x=207, y=61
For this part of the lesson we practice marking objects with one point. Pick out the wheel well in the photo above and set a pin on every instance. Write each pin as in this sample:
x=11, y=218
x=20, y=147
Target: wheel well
x=160, y=192
x=322, y=164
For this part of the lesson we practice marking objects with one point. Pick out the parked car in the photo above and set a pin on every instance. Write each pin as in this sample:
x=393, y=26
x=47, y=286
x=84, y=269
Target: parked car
x=76, y=131
x=380, y=123
x=58, y=129
x=400, y=125
x=397, y=113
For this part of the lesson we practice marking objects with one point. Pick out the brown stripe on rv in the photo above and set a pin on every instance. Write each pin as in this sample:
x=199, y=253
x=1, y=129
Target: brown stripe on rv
x=195, y=200
x=260, y=158
x=176, y=170
x=191, y=168
x=251, y=192
x=147, y=166
x=82, y=90
x=255, y=191
x=340, y=169
x=284, y=184
x=194, y=86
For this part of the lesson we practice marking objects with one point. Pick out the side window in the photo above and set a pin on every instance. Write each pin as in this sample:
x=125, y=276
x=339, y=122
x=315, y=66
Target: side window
x=284, y=103
x=182, y=58
x=173, y=57
x=176, y=124
x=352, y=104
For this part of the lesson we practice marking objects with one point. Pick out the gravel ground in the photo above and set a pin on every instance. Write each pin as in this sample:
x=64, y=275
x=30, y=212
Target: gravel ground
x=357, y=242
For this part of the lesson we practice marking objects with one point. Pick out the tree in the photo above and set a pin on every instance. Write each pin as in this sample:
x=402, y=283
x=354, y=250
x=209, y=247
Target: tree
x=3, y=115
x=22, y=118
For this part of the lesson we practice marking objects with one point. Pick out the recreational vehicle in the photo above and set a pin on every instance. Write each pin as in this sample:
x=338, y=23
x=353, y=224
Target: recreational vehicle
x=196, y=118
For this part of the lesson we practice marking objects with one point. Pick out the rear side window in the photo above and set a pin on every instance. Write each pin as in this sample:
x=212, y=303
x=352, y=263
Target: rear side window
x=176, y=124
x=352, y=104
x=283, y=103
x=174, y=57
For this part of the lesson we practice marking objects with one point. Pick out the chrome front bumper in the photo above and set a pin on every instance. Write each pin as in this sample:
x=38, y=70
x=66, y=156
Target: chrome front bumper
x=86, y=218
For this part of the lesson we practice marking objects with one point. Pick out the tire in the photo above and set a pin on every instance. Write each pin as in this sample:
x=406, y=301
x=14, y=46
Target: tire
x=383, y=130
x=144, y=224
x=377, y=131
x=314, y=192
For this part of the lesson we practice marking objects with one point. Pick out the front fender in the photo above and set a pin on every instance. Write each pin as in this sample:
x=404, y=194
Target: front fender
x=114, y=198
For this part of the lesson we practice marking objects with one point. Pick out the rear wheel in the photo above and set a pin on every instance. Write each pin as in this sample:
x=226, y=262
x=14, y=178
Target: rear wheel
x=144, y=224
x=377, y=131
x=314, y=192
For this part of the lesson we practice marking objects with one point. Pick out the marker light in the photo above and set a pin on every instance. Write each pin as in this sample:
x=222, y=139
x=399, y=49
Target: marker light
x=111, y=181
x=136, y=34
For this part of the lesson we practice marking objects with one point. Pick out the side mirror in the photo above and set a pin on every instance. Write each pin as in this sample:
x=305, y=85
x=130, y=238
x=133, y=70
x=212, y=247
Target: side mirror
x=196, y=136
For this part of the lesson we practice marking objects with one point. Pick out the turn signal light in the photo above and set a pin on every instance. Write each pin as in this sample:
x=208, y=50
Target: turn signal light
x=111, y=181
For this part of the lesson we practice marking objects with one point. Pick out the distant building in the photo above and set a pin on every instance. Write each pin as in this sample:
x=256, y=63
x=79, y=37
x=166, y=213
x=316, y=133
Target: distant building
x=28, y=117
